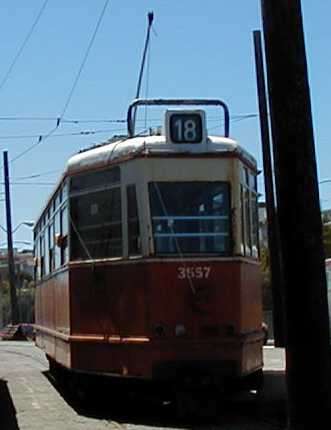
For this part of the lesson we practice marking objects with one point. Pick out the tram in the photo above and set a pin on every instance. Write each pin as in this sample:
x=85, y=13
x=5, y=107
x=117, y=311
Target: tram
x=147, y=256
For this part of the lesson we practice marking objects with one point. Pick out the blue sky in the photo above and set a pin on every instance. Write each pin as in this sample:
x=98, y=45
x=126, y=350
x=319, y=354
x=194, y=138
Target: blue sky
x=198, y=49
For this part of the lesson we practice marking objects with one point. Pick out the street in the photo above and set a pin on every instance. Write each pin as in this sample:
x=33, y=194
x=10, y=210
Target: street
x=31, y=399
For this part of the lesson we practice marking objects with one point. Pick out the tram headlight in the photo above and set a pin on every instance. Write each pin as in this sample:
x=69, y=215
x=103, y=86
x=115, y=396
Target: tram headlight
x=180, y=330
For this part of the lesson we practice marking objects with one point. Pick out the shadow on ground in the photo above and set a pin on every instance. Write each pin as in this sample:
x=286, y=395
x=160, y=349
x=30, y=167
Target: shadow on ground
x=142, y=406
x=8, y=419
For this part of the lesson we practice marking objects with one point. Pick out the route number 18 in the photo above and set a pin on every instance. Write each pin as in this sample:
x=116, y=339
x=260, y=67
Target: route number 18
x=186, y=128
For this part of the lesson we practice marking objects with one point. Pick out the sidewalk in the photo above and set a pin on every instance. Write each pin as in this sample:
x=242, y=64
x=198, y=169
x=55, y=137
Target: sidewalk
x=30, y=401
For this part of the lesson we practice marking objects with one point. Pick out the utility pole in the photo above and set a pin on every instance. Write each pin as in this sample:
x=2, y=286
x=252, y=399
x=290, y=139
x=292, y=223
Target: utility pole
x=305, y=291
x=10, y=252
x=277, y=282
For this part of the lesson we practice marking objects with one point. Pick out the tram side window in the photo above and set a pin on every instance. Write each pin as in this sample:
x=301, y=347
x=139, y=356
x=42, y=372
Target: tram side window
x=57, y=233
x=133, y=221
x=64, y=234
x=95, y=213
x=51, y=246
x=37, y=256
x=42, y=255
x=249, y=214
x=46, y=250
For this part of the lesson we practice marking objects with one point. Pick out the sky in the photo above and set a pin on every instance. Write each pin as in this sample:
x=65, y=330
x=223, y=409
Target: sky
x=79, y=60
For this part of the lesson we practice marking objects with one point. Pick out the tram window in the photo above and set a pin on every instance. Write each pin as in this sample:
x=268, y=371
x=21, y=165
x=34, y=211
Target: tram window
x=100, y=179
x=37, y=261
x=64, y=191
x=254, y=212
x=46, y=239
x=51, y=245
x=242, y=219
x=57, y=232
x=42, y=255
x=246, y=174
x=133, y=221
x=57, y=200
x=96, y=224
x=249, y=213
x=64, y=234
x=190, y=217
x=248, y=227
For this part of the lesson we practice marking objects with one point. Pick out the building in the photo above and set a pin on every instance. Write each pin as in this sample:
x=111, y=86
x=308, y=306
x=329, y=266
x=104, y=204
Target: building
x=24, y=263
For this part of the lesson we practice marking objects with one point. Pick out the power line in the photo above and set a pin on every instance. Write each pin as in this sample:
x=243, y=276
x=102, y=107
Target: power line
x=66, y=121
x=120, y=121
x=74, y=133
x=31, y=183
x=37, y=175
x=19, y=52
x=58, y=120
x=85, y=58
x=234, y=118
x=34, y=145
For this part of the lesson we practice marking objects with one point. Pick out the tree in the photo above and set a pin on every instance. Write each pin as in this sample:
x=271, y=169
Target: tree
x=327, y=240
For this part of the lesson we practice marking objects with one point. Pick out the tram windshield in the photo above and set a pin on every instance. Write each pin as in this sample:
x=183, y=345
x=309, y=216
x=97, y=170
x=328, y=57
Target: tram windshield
x=190, y=217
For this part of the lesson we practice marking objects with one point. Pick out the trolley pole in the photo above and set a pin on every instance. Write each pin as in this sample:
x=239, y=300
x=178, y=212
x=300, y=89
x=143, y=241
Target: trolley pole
x=10, y=252
x=277, y=282
x=305, y=291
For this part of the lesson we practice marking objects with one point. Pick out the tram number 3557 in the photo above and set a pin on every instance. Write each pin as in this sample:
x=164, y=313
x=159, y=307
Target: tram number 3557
x=193, y=272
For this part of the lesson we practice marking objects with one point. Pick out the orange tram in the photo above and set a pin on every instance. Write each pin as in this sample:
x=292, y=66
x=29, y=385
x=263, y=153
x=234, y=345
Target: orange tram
x=147, y=257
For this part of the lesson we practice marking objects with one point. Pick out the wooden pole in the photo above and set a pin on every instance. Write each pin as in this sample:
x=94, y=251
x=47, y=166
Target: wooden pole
x=277, y=282
x=305, y=293
x=10, y=252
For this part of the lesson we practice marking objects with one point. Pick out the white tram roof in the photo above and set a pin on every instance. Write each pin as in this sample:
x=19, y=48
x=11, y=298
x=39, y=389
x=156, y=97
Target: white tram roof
x=125, y=147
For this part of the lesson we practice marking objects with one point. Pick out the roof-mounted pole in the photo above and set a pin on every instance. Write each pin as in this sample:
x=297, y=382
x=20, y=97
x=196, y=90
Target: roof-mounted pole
x=150, y=18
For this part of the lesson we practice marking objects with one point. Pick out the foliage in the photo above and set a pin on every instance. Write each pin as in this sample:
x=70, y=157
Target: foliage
x=266, y=281
x=327, y=240
x=265, y=266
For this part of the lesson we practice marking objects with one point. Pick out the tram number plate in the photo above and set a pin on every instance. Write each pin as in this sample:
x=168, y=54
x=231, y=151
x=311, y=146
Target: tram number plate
x=193, y=272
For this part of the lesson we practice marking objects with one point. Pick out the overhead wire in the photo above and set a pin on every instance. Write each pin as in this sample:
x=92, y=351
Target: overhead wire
x=234, y=118
x=34, y=145
x=73, y=133
x=42, y=138
x=84, y=59
x=31, y=183
x=120, y=121
x=25, y=41
x=66, y=121
x=37, y=175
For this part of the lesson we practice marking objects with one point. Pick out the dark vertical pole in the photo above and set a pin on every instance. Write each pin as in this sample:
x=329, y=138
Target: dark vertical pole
x=277, y=283
x=10, y=252
x=150, y=18
x=307, y=322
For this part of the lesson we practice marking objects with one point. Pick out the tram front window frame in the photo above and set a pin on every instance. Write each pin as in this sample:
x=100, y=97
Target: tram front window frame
x=191, y=218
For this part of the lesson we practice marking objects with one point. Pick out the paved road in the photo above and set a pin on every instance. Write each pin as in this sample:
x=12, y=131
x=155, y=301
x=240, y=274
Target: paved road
x=31, y=400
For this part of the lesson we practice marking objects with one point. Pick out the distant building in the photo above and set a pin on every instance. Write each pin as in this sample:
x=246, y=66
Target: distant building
x=24, y=263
